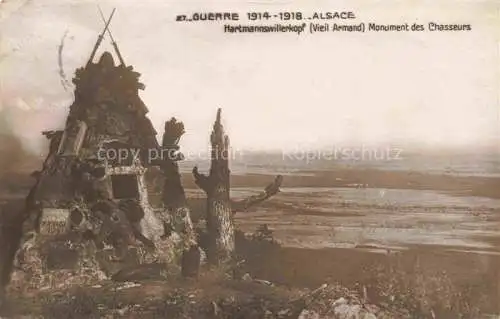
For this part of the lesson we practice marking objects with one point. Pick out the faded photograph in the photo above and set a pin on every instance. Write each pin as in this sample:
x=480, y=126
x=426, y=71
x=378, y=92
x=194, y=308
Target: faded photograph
x=249, y=159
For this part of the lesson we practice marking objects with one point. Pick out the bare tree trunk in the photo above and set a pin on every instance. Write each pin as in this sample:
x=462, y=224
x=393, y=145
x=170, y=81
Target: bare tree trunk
x=174, y=199
x=220, y=225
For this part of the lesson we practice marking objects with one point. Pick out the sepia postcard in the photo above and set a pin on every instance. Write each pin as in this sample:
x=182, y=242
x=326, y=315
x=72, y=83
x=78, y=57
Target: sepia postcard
x=250, y=159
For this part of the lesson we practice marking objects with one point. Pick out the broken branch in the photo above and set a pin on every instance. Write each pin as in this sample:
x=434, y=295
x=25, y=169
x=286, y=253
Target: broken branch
x=270, y=190
x=201, y=180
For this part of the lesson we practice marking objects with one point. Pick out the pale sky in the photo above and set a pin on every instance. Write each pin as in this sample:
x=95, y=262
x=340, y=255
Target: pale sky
x=277, y=91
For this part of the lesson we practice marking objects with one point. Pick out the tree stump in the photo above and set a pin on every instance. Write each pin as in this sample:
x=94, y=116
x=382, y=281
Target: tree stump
x=216, y=185
x=174, y=199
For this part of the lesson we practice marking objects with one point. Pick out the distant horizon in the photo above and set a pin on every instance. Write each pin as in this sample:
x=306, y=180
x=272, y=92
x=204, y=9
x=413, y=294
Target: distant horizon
x=408, y=148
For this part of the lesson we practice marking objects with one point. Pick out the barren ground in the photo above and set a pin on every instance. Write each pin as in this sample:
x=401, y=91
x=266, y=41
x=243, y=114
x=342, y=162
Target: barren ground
x=422, y=241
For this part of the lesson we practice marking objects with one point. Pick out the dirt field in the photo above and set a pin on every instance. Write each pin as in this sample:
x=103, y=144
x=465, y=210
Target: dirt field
x=423, y=242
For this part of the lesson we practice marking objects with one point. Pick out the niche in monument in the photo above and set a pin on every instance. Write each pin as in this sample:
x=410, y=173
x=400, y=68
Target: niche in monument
x=72, y=139
x=125, y=186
